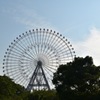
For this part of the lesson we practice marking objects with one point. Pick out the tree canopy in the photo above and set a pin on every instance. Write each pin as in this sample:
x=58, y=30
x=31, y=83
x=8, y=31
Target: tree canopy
x=12, y=91
x=43, y=95
x=78, y=80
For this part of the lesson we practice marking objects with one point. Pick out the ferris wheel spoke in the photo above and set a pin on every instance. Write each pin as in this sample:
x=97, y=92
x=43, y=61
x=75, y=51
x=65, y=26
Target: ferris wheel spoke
x=55, y=43
x=32, y=41
x=39, y=48
x=17, y=76
x=35, y=42
x=28, y=56
x=52, y=57
x=64, y=57
x=48, y=71
x=65, y=54
x=14, y=57
x=13, y=71
x=46, y=41
x=42, y=48
x=40, y=41
x=31, y=44
x=46, y=36
x=58, y=43
x=30, y=51
x=11, y=65
x=13, y=68
x=51, y=39
x=51, y=54
x=62, y=51
x=54, y=65
x=24, y=50
x=27, y=67
x=17, y=57
x=19, y=51
x=21, y=80
x=12, y=49
x=26, y=38
x=8, y=67
x=49, y=79
x=43, y=36
x=17, y=60
x=57, y=40
x=45, y=48
x=43, y=41
x=53, y=60
x=53, y=68
x=19, y=46
x=13, y=76
x=27, y=71
x=68, y=56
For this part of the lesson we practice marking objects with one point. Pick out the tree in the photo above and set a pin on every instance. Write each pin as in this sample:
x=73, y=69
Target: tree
x=78, y=80
x=43, y=95
x=11, y=91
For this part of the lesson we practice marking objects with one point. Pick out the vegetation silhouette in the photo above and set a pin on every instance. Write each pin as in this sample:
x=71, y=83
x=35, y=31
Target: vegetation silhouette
x=11, y=91
x=78, y=80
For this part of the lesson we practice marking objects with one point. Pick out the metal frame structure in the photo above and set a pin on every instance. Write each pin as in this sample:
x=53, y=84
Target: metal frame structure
x=34, y=56
x=38, y=79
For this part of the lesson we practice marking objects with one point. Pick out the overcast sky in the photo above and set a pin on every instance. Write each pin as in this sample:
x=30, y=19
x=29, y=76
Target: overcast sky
x=77, y=20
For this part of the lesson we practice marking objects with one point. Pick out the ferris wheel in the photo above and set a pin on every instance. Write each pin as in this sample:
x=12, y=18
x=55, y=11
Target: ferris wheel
x=33, y=57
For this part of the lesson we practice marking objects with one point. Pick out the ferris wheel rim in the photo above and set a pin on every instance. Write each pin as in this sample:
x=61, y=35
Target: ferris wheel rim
x=18, y=52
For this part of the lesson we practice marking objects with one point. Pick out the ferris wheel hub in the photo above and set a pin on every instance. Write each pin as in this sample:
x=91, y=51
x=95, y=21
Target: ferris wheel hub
x=39, y=63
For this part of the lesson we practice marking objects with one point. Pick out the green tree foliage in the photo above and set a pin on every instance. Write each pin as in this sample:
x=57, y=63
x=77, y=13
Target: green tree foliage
x=78, y=80
x=11, y=91
x=43, y=95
